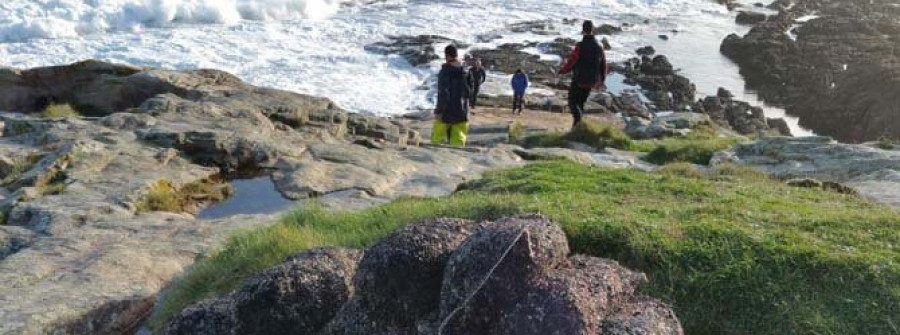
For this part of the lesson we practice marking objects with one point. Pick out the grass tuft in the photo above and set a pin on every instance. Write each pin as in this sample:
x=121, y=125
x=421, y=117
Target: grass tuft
x=685, y=150
x=60, y=111
x=164, y=197
x=516, y=132
x=732, y=251
x=886, y=143
x=594, y=133
x=10, y=173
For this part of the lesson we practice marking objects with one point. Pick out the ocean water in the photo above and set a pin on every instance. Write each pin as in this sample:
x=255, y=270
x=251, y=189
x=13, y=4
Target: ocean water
x=317, y=46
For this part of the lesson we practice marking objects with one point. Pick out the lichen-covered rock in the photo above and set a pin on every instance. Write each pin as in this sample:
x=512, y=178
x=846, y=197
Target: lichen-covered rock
x=642, y=317
x=399, y=279
x=209, y=317
x=299, y=296
x=573, y=299
x=535, y=246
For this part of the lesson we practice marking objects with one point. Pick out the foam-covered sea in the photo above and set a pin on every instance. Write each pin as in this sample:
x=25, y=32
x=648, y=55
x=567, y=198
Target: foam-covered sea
x=317, y=46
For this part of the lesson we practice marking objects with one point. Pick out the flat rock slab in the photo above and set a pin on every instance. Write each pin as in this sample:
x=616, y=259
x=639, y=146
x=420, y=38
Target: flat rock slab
x=873, y=172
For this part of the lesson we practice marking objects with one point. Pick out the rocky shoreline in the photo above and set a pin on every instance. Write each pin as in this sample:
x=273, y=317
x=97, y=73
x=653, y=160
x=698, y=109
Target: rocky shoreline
x=832, y=63
x=85, y=247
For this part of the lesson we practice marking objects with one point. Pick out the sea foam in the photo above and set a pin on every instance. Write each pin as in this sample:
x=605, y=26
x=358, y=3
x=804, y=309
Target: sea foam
x=22, y=20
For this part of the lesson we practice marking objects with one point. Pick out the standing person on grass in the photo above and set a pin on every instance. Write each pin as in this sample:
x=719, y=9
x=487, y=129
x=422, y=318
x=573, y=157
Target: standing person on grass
x=477, y=76
x=519, y=85
x=589, y=68
x=451, y=115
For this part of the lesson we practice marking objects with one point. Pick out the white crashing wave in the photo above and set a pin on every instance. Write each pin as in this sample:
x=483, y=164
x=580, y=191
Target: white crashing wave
x=22, y=20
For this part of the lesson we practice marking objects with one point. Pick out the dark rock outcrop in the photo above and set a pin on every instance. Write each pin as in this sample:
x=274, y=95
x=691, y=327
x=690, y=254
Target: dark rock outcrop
x=739, y=115
x=607, y=29
x=537, y=246
x=399, y=279
x=510, y=276
x=750, y=18
x=210, y=317
x=300, y=296
x=836, y=71
x=417, y=50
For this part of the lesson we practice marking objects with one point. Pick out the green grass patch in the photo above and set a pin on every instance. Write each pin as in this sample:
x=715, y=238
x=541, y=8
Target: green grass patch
x=697, y=148
x=685, y=150
x=57, y=111
x=733, y=251
x=591, y=132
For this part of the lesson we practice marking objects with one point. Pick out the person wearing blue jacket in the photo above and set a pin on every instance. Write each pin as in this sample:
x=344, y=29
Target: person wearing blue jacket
x=519, y=85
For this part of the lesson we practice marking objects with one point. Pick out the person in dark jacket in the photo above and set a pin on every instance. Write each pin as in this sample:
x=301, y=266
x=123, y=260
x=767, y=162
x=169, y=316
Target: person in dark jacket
x=451, y=121
x=519, y=85
x=589, y=68
x=477, y=76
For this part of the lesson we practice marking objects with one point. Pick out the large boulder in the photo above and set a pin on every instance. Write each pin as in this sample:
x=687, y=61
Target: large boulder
x=574, y=299
x=300, y=296
x=209, y=317
x=399, y=279
x=508, y=253
x=642, y=316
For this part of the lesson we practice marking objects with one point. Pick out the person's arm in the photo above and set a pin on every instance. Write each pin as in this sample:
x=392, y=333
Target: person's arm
x=483, y=76
x=573, y=58
x=443, y=85
x=604, y=67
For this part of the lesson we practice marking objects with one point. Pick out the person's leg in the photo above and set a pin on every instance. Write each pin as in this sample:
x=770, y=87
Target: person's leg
x=517, y=101
x=439, y=132
x=459, y=133
x=574, y=107
x=474, y=99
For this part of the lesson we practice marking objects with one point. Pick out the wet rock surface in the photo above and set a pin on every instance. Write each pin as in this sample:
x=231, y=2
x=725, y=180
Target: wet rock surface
x=417, y=50
x=836, y=70
x=510, y=276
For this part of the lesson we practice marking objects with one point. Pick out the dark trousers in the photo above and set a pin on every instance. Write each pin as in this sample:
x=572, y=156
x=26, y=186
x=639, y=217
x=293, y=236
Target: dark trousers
x=518, y=101
x=577, y=97
x=474, y=98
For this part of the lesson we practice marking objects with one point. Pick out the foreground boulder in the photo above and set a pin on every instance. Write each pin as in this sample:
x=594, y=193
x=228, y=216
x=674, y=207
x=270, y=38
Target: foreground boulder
x=510, y=276
x=301, y=296
x=399, y=279
x=534, y=245
x=210, y=317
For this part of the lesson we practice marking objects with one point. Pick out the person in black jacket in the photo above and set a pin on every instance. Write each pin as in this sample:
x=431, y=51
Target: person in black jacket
x=589, y=68
x=451, y=119
x=477, y=76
